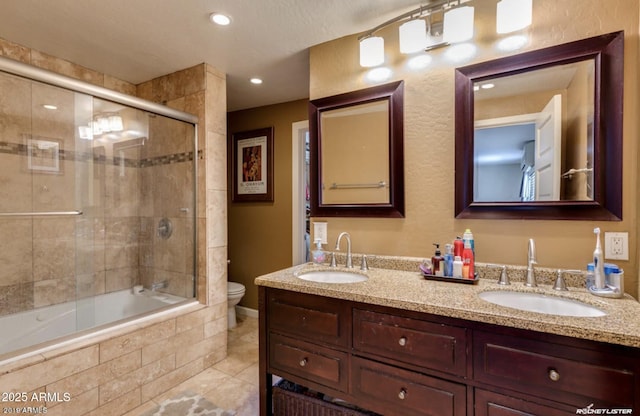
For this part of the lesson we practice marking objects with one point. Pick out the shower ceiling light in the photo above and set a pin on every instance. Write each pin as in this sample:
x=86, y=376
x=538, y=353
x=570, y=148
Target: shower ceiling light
x=512, y=15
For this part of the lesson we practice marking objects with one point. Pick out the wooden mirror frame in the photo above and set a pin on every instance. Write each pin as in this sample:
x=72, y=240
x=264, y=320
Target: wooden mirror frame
x=394, y=92
x=608, y=53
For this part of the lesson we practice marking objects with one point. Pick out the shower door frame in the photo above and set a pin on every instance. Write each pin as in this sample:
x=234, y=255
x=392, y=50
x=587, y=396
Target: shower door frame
x=51, y=78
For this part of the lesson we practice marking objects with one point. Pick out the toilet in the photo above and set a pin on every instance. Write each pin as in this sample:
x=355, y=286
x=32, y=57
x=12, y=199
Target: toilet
x=235, y=292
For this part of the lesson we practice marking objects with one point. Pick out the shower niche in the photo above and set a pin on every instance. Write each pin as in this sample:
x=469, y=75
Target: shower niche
x=86, y=176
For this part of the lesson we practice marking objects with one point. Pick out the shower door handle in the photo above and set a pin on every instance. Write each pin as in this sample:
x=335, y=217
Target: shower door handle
x=40, y=214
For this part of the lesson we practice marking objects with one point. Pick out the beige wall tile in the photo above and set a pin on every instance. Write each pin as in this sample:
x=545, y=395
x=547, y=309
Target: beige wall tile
x=54, y=248
x=67, y=68
x=78, y=405
x=95, y=376
x=200, y=349
x=124, y=403
x=14, y=51
x=116, y=388
x=124, y=344
x=171, y=345
x=41, y=374
x=54, y=291
x=16, y=254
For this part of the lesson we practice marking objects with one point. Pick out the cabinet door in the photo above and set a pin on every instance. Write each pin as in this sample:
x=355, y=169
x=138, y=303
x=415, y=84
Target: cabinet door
x=493, y=404
x=393, y=391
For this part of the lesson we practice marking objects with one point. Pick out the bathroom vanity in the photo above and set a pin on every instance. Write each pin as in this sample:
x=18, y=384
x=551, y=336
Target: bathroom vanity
x=397, y=344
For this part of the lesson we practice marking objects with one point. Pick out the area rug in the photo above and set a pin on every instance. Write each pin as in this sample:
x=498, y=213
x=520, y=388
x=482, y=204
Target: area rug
x=188, y=403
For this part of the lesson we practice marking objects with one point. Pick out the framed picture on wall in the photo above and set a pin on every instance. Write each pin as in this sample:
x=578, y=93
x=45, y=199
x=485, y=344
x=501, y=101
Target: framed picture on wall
x=252, y=165
x=43, y=155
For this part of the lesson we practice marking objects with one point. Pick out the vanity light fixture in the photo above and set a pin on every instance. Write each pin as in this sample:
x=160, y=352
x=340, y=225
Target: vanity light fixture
x=220, y=19
x=456, y=26
x=513, y=15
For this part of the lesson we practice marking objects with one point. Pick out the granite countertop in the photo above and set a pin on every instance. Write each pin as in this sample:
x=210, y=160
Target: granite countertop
x=403, y=288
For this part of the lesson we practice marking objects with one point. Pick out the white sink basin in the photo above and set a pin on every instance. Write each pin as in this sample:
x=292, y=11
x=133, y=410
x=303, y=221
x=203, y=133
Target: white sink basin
x=331, y=276
x=535, y=302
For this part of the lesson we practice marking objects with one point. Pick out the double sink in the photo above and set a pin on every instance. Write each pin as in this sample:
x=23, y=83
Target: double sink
x=524, y=301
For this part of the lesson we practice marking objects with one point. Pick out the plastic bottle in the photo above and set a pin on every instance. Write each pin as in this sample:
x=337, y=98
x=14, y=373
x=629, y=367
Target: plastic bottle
x=458, y=246
x=457, y=267
x=437, y=262
x=318, y=255
x=468, y=236
x=591, y=277
x=448, y=260
x=468, y=271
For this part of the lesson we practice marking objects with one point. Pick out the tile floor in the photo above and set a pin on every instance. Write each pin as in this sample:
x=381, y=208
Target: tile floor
x=231, y=384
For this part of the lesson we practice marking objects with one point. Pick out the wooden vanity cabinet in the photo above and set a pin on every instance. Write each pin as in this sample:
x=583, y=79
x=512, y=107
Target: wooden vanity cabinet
x=397, y=362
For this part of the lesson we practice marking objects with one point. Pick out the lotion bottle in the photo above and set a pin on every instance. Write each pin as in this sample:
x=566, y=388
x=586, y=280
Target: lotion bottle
x=448, y=260
x=457, y=267
x=437, y=262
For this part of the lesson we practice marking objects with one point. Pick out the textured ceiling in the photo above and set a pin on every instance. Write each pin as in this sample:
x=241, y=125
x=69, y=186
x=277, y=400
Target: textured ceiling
x=138, y=40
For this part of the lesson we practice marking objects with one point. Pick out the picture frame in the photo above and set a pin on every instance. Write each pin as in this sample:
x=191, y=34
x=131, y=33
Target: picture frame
x=44, y=155
x=252, y=165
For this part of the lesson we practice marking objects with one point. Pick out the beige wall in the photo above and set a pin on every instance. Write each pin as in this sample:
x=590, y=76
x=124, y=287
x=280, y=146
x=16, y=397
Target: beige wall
x=429, y=142
x=260, y=233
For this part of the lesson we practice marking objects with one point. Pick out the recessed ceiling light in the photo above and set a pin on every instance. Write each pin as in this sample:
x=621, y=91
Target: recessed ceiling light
x=220, y=19
x=256, y=81
x=50, y=106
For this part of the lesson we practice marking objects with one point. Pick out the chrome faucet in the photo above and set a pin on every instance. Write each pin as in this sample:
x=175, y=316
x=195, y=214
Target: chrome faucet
x=531, y=260
x=349, y=260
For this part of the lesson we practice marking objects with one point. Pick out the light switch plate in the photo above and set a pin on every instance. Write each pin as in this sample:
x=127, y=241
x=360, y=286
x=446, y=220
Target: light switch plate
x=616, y=246
x=320, y=231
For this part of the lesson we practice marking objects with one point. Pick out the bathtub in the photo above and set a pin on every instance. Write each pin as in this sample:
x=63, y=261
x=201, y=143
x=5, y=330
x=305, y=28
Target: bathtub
x=25, y=329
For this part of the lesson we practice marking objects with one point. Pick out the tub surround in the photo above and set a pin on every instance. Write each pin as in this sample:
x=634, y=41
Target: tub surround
x=400, y=285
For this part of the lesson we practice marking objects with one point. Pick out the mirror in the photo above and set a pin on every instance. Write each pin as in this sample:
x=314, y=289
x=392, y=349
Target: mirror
x=356, y=153
x=539, y=135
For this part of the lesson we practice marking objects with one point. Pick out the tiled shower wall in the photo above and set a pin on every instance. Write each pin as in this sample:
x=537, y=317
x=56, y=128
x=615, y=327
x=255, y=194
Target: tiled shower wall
x=116, y=375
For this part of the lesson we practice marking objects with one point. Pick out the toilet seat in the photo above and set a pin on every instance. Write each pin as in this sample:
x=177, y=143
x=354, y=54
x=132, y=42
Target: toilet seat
x=234, y=288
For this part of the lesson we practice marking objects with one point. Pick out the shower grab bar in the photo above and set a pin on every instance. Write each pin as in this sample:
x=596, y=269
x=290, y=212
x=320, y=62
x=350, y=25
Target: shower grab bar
x=40, y=214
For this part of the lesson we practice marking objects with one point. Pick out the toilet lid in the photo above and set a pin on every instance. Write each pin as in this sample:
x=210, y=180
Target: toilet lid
x=234, y=287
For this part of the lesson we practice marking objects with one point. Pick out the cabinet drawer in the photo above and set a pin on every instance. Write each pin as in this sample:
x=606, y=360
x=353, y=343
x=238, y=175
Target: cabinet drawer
x=493, y=404
x=561, y=373
x=426, y=344
x=308, y=361
x=309, y=317
x=393, y=391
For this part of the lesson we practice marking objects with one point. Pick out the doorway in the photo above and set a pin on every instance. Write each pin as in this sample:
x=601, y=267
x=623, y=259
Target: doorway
x=300, y=192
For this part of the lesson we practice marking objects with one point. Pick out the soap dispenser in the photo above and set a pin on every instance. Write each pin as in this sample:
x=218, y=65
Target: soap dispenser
x=437, y=262
x=318, y=255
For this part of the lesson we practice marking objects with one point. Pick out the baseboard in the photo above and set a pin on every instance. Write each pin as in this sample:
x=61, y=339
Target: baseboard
x=244, y=311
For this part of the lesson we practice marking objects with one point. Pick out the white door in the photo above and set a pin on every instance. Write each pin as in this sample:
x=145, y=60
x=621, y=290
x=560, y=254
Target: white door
x=548, y=148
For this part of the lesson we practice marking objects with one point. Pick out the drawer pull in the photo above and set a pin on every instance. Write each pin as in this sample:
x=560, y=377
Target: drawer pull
x=402, y=395
x=402, y=341
x=303, y=362
x=554, y=375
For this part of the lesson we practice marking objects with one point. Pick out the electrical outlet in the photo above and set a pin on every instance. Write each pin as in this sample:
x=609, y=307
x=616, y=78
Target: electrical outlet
x=616, y=246
x=320, y=231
